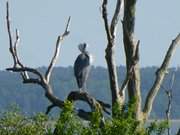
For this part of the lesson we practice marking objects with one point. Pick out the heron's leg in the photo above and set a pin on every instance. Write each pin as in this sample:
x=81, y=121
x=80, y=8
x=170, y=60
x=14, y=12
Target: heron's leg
x=80, y=89
x=79, y=83
x=84, y=88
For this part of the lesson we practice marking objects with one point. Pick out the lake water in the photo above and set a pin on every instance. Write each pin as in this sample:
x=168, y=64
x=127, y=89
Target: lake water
x=175, y=125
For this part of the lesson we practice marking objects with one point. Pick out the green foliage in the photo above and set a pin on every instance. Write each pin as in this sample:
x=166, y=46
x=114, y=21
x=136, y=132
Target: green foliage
x=68, y=123
x=123, y=121
x=95, y=119
x=122, y=124
x=157, y=127
x=13, y=122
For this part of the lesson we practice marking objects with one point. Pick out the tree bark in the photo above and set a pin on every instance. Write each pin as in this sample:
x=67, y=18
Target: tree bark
x=160, y=74
x=110, y=50
x=132, y=55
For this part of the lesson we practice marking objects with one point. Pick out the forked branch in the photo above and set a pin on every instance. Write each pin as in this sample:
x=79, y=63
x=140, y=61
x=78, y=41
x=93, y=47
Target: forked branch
x=57, y=50
x=20, y=68
x=110, y=52
x=115, y=18
x=105, y=19
x=160, y=74
x=11, y=48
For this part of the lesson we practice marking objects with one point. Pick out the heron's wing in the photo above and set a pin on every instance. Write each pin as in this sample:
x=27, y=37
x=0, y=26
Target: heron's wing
x=80, y=65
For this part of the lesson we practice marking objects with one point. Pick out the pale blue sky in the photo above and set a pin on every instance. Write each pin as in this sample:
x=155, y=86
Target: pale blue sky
x=40, y=22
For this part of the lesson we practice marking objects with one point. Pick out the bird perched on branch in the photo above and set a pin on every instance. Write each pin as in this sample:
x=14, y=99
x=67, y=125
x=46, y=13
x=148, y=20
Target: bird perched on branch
x=82, y=66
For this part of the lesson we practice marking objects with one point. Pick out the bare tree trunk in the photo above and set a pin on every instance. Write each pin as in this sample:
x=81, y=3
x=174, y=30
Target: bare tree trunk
x=110, y=50
x=131, y=47
x=112, y=73
x=132, y=55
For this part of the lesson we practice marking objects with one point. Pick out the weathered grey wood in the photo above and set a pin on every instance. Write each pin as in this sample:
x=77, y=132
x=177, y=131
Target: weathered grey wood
x=57, y=51
x=160, y=74
x=131, y=47
x=110, y=50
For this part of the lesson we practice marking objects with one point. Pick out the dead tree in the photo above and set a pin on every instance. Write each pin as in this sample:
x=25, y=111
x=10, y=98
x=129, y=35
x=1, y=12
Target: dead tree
x=43, y=80
x=131, y=47
x=132, y=79
x=110, y=50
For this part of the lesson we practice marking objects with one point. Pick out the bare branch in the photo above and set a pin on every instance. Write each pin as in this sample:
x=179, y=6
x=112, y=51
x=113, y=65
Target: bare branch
x=84, y=114
x=26, y=69
x=170, y=52
x=17, y=41
x=75, y=96
x=106, y=24
x=84, y=96
x=116, y=17
x=16, y=44
x=173, y=78
x=56, y=53
x=66, y=32
x=160, y=74
x=168, y=92
x=104, y=104
x=24, y=74
x=168, y=111
x=31, y=80
x=49, y=108
x=124, y=84
x=129, y=73
x=11, y=49
x=110, y=52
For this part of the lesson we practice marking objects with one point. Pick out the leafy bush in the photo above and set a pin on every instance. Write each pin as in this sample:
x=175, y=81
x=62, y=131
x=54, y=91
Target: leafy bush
x=123, y=123
x=157, y=128
x=13, y=122
x=68, y=123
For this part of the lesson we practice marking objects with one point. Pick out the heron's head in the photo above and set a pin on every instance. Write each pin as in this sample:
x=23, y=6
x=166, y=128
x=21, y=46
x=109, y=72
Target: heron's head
x=82, y=47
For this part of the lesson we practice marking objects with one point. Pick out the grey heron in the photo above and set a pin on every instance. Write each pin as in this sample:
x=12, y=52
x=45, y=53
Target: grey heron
x=82, y=66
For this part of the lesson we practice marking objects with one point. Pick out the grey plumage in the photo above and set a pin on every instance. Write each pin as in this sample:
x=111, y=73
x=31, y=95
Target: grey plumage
x=82, y=67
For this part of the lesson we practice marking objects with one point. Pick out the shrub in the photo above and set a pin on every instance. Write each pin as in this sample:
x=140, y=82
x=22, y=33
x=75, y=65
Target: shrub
x=123, y=123
x=13, y=122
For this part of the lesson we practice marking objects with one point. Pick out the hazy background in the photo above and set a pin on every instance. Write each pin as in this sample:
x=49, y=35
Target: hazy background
x=40, y=22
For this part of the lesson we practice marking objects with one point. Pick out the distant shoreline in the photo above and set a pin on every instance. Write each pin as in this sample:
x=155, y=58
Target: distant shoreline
x=172, y=120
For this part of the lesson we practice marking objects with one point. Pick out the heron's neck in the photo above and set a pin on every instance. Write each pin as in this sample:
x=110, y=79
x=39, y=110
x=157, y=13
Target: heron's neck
x=88, y=55
x=84, y=52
